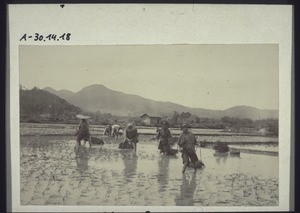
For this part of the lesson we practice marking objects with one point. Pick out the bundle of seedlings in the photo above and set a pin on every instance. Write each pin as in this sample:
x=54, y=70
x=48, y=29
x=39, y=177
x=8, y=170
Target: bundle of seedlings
x=221, y=147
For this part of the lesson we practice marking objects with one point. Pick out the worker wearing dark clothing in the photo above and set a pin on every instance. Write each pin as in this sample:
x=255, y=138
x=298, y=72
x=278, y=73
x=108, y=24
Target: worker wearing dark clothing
x=163, y=135
x=83, y=132
x=187, y=142
x=131, y=136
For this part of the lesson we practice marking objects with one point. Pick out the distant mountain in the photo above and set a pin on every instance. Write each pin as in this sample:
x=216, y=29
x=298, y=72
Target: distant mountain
x=65, y=94
x=250, y=112
x=41, y=104
x=100, y=98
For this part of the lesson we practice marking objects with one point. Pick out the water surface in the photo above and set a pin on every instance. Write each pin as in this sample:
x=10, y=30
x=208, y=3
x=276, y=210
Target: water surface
x=51, y=174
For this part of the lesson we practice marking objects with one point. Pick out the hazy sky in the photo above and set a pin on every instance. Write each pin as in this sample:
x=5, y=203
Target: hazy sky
x=204, y=76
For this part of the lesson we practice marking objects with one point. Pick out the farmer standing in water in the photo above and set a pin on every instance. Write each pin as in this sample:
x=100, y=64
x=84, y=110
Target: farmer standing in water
x=187, y=142
x=164, y=134
x=83, y=132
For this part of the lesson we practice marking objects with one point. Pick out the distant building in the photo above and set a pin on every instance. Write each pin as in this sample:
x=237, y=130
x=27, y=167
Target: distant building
x=150, y=120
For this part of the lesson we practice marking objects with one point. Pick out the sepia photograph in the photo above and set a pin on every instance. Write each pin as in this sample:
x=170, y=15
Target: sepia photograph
x=149, y=125
x=149, y=108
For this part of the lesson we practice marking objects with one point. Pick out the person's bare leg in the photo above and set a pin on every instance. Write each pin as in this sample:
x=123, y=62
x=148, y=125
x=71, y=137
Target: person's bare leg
x=184, y=166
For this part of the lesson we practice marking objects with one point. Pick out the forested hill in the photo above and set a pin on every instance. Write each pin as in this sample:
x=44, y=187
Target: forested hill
x=40, y=105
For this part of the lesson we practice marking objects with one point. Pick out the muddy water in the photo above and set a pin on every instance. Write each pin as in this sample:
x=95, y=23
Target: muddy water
x=51, y=174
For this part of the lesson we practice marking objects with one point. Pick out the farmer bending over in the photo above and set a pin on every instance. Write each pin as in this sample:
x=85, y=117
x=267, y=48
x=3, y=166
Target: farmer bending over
x=187, y=142
x=164, y=134
x=131, y=135
x=115, y=130
x=107, y=130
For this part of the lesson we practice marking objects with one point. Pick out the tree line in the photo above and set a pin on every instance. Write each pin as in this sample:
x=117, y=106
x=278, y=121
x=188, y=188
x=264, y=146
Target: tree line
x=233, y=124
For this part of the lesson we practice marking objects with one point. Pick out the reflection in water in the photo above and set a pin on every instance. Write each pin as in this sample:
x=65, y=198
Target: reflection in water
x=163, y=173
x=81, y=151
x=82, y=156
x=187, y=190
x=219, y=158
x=130, y=163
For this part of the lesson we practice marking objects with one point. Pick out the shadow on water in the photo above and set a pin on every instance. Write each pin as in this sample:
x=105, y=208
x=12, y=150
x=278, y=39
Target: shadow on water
x=187, y=190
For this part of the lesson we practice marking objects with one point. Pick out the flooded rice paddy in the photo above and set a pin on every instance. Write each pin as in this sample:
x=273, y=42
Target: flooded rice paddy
x=51, y=174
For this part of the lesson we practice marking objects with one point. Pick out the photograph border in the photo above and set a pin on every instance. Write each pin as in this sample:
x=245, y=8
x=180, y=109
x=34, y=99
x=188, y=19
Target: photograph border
x=282, y=28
